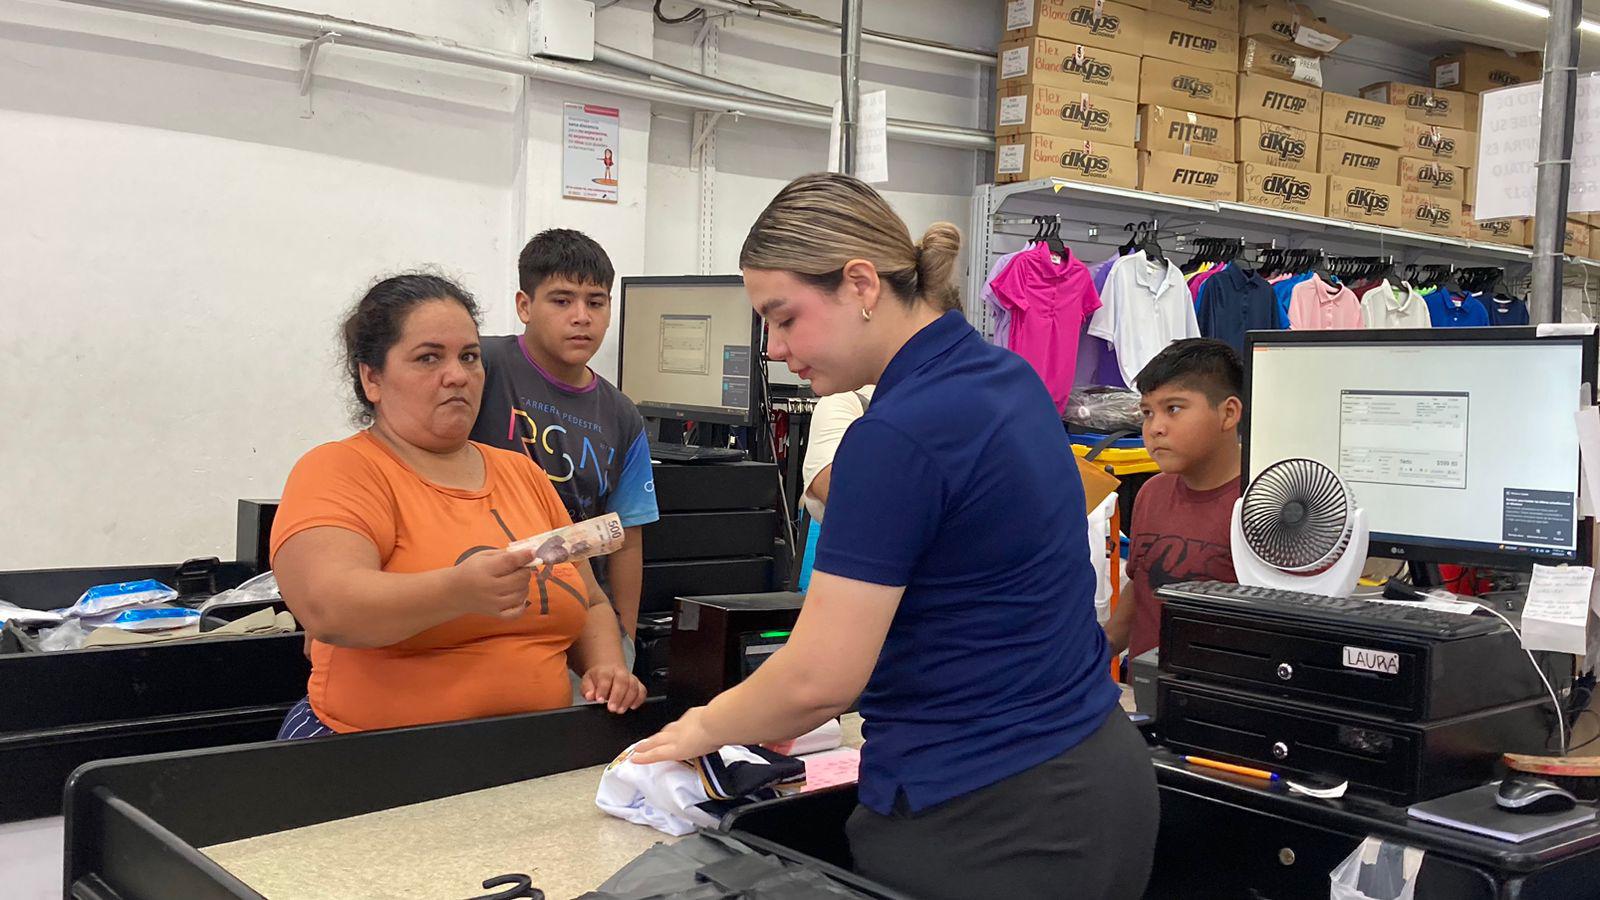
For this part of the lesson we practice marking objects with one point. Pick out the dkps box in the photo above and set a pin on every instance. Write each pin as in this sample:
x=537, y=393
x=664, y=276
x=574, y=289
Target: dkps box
x=1283, y=189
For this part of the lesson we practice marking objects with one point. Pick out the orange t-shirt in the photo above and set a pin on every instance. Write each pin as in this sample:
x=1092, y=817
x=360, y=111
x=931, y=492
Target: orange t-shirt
x=470, y=666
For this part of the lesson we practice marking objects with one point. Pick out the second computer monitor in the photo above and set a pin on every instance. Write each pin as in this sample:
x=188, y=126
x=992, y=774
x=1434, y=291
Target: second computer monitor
x=1460, y=446
x=690, y=346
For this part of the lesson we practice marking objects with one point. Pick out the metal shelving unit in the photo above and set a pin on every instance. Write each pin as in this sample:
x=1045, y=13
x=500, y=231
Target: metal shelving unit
x=1104, y=206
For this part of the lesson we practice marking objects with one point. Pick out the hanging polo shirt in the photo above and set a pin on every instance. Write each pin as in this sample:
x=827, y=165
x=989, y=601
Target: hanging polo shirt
x=1316, y=305
x=1235, y=301
x=1504, y=311
x=1283, y=289
x=1395, y=306
x=1145, y=306
x=1449, y=310
x=993, y=662
x=998, y=313
x=1050, y=295
x=1197, y=281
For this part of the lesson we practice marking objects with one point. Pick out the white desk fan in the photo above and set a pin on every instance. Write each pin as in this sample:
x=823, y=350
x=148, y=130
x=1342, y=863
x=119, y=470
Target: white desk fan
x=1297, y=528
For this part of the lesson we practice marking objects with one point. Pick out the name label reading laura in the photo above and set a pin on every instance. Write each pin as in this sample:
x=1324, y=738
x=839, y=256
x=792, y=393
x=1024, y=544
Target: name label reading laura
x=1372, y=660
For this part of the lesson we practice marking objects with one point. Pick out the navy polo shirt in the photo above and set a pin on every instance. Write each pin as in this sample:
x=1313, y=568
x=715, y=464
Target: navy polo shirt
x=1235, y=301
x=959, y=484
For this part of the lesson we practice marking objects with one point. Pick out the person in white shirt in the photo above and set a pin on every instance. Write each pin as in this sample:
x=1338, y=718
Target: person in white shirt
x=829, y=421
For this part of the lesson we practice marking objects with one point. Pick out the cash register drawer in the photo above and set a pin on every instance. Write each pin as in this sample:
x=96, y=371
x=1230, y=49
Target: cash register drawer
x=701, y=535
x=1403, y=678
x=1403, y=761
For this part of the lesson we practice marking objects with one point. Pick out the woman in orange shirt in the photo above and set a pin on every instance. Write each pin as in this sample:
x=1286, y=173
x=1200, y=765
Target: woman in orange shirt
x=389, y=545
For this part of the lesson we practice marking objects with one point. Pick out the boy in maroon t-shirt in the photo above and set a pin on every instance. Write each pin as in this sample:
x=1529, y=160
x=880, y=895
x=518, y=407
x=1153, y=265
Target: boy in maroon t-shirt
x=1181, y=518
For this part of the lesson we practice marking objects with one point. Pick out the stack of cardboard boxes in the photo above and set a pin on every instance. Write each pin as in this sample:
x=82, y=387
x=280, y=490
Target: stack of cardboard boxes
x=1361, y=155
x=1467, y=72
x=1187, y=97
x=1434, y=153
x=1069, y=89
x=1280, y=106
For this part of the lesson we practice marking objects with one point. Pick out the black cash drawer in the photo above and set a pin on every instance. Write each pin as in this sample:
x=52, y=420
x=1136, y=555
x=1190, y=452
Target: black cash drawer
x=1404, y=762
x=1405, y=678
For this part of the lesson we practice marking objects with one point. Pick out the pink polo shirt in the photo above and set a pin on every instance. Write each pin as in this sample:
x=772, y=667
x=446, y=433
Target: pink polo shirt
x=1315, y=305
x=1050, y=297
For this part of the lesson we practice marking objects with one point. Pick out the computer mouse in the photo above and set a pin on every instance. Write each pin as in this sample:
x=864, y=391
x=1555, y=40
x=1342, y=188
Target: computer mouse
x=1522, y=793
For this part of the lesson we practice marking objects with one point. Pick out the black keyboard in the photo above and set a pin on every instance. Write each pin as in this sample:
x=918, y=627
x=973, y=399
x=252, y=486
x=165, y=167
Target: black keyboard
x=1345, y=612
x=684, y=453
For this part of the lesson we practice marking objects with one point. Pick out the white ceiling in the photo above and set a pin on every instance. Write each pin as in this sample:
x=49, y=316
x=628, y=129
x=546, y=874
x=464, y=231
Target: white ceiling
x=1430, y=26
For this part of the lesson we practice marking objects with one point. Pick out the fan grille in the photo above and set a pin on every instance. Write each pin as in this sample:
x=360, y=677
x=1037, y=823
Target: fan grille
x=1296, y=516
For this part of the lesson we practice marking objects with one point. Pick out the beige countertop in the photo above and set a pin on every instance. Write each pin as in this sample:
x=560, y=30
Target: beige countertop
x=547, y=828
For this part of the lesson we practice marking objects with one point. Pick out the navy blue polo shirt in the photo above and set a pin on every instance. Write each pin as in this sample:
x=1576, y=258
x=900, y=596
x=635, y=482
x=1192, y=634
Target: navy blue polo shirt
x=959, y=484
x=1234, y=301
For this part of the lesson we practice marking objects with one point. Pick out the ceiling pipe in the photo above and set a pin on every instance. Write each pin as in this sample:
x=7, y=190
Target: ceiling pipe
x=305, y=26
x=829, y=28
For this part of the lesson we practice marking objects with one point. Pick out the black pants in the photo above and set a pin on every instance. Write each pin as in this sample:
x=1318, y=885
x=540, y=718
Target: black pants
x=1082, y=825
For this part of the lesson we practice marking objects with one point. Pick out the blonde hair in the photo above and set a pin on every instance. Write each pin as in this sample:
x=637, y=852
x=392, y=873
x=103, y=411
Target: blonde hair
x=820, y=222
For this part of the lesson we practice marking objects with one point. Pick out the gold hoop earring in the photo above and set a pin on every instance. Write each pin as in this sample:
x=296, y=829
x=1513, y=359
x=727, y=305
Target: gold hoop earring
x=866, y=314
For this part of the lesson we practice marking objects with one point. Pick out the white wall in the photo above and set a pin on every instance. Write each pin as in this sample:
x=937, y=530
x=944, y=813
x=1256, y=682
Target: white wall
x=180, y=241
x=755, y=159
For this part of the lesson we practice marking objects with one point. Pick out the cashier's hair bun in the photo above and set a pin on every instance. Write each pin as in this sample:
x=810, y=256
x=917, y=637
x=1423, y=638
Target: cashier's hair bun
x=819, y=223
x=936, y=264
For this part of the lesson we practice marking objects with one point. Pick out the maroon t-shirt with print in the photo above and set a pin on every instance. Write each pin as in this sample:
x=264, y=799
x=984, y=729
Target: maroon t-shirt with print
x=1178, y=535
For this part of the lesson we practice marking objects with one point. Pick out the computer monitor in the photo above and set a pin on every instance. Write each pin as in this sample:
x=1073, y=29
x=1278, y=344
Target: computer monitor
x=689, y=347
x=1460, y=444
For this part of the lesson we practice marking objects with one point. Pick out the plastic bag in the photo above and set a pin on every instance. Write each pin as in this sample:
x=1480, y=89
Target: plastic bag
x=154, y=619
x=1104, y=409
x=105, y=598
x=260, y=589
x=69, y=635
x=1377, y=870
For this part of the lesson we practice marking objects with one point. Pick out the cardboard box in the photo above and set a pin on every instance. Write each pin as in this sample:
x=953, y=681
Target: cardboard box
x=1044, y=109
x=1285, y=189
x=1429, y=214
x=1118, y=27
x=1451, y=145
x=1272, y=144
x=1421, y=103
x=1166, y=83
x=1474, y=117
x=1497, y=231
x=1367, y=202
x=1360, y=160
x=1191, y=43
x=1292, y=23
x=1472, y=187
x=1072, y=67
x=1475, y=69
x=1264, y=56
x=1578, y=238
x=1222, y=14
x=1429, y=176
x=1276, y=100
x=1364, y=120
x=1163, y=129
x=1025, y=157
x=1188, y=176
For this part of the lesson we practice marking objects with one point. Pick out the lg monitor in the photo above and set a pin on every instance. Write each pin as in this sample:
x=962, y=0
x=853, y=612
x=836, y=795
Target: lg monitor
x=1460, y=444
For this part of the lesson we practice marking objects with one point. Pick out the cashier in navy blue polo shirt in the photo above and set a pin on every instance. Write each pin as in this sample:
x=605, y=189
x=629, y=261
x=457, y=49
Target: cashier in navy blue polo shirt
x=953, y=590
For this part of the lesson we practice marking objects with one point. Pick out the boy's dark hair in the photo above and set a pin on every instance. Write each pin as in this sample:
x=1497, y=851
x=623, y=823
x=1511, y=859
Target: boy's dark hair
x=1200, y=364
x=565, y=253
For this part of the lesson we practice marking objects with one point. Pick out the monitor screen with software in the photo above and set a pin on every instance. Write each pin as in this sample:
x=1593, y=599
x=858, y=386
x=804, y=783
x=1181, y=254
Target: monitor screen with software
x=689, y=346
x=1461, y=446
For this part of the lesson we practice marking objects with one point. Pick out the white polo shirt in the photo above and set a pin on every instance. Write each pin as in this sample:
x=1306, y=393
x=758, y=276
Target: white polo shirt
x=1144, y=307
x=1395, y=306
